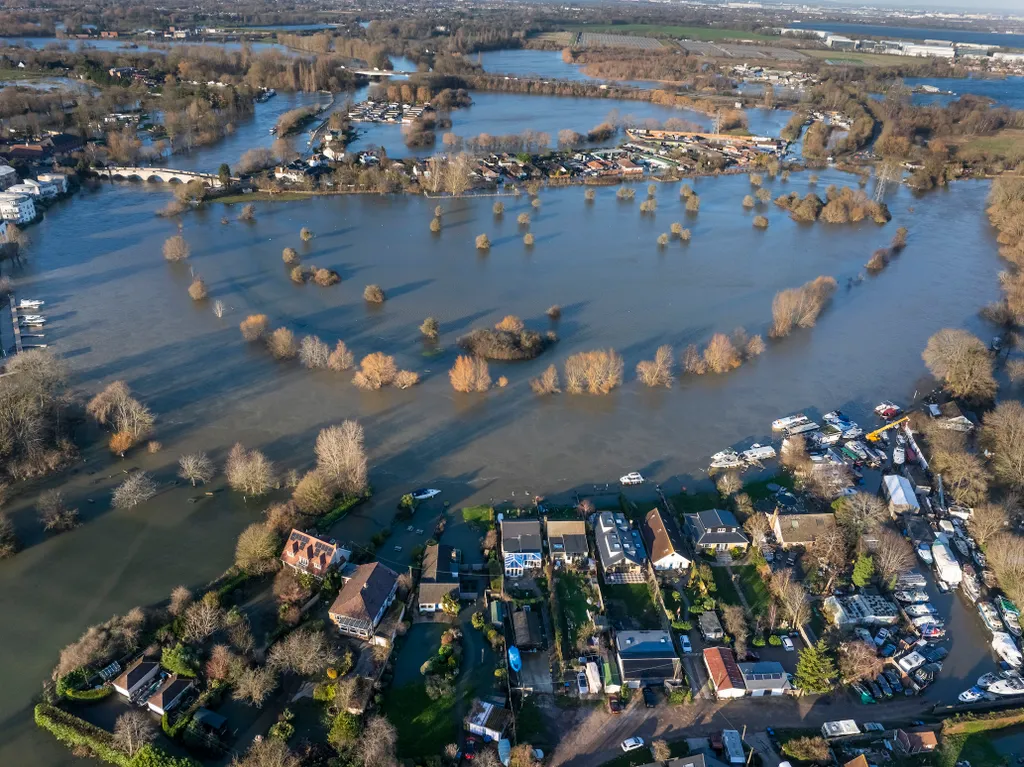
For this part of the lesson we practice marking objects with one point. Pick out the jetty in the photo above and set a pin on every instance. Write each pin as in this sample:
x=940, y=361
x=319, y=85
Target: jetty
x=16, y=324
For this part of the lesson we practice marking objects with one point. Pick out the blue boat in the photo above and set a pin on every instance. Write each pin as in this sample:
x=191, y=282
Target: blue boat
x=514, y=660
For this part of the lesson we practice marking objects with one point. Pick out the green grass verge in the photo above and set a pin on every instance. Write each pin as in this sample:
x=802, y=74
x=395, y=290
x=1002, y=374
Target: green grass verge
x=691, y=503
x=975, y=748
x=864, y=59
x=264, y=197
x=672, y=30
x=478, y=515
x=727, y=593
x=424, y=726
x=636, y=598
x=754, y=588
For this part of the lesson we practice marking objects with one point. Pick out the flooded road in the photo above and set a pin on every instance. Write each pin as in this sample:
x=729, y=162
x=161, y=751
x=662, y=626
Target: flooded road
x=118, y=311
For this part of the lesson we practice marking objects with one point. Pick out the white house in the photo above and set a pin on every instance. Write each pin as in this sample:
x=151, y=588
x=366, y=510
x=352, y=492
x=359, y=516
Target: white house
x=364, y=599
x=520, y=546
x=34, y=188
x=8, y=176
x=17, y=208
x=57, y=180
x=663, y=541
x=136, y=678
x=169, y=694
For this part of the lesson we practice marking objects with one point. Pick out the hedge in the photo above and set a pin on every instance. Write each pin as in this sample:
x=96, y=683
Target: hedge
x=347, y=504
x=72, y=731
x=70, y=687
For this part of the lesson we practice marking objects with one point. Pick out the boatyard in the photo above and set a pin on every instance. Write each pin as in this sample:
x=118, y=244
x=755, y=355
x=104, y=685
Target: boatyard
x=387, y=112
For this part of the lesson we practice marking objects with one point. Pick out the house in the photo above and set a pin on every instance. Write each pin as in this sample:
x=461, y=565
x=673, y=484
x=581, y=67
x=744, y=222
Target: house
x=663, y=542
x=620, y=549
x=646, y=657
x=8, y=177
x=439, y=577
x=487, y=719
x=17, y=208
x=911, y=743
x=312, y=555
x=715, y=530
x=527, y=630
x=168, y=695
x=801, y=529
x=710, y=626
x=765, y=678
x=135, y=679
x=693, y=760
x=567, y=541
x=723, y=672
x=57, y=180
x=33, y=188
x=364, y=599
x=520, y=546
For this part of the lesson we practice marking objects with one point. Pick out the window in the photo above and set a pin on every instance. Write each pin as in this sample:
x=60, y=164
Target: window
x=303, y=562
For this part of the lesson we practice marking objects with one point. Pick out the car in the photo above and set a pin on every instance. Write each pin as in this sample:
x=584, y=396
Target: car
x=633, y=478
x=865, y=696
x=632, y=744
x=469, y=750
x=787, y=644
x=614, y=704
x=424, y=494
x=894, y=680
x=684, y=642
x=650, y=699
x=883, y=683
x=876, y=691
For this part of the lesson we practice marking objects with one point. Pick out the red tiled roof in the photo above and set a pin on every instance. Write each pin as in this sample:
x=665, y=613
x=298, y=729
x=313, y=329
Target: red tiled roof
x=307, y=552
x=725, y=674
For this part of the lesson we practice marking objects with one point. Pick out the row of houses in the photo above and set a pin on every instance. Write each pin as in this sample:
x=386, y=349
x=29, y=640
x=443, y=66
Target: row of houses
x=18, y=198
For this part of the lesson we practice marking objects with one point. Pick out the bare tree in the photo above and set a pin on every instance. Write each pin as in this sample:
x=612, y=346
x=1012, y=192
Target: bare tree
x=341, y=358
x=1002, y=433
x=791, y=596
x=735, y=623
x=546, y=382
x=376, y=370
x=377, y=743
x=962, y=362
x=757, y=527
x=303, y=651
x=829, y=551
x=657, y=372
x=181, y=598
x=827, y=481
x=314, y=353
x=137, y=488
x=175, y=248
x=254, y=685
x=257, y=549
x=133, y=731
x=197, y=468
x=54, y=512
x=794, y=454
x=721, y=355
x=859, y=513
x=857, y=661
x=200, y=620
x=987, y=520
x=314, y=495
x=964, y=475
x=249, y=471
x=596, y=372
x=893, y=557
x=269, y=752
x=729, y=484
x=114, y=406
x=341, y=455
x=1005, y=553
x=470, y=374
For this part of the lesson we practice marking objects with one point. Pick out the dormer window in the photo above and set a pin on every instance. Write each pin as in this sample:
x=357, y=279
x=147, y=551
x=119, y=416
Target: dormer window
x=303, y=562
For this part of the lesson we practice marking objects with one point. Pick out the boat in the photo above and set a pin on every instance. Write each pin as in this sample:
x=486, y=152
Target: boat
x=425, y=494
x=989, y=578
x=899, y=455
x=990, y=617
x=1011, y=615
x=912, y=597
x=32, y=317
x=924, y=553
x=932, y=631
x=35, y=322
x=916, y=611
x=961, y=512
x=962, y=547
x=801, y=428
x=834, y=416
x=514, y=660
x=911, y=579
x=853, y=432
x=987, y=680
x=758, y=453
x=969, y=583
x=858, y=449
x=926, y=620
x=29, y=303
x=781, y=424
x=971, y=695
x=887, y=410
x=979, y=558
x=1009, y=685
x=633, y=478
x=726, y=459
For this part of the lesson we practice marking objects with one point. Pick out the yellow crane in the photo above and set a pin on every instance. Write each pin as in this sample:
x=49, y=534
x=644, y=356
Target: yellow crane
x=874, y=436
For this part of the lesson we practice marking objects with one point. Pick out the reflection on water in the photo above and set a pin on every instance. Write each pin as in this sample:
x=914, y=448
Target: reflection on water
x=1006, y=92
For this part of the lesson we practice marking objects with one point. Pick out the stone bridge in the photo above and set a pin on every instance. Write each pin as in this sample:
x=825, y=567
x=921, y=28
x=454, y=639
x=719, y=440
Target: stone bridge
x=164, y=174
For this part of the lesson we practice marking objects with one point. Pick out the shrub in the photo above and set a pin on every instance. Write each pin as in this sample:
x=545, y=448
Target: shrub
x=754, y=348
x=685, y=191
x=248, y=213
x=180, y=659
x=748, y=201
x=9, y=543
x=505, y=344
x=406, y=378
x=298, y=275
x=808, y=749
x=721, y=355
x=326, y=277
x=305, y=235
x=435, y=225
x=254, y=326
x=375, y=370
x=554, y=312
x=693, y=203
x=625, y=193
x=878, y=261
x=482, y=242
x=430, y=328
x=523, y=219
x=800, y=307
x=657, y=372
x=176, y=249
x=438, y=211
x=760, y=222
x=662, y=240
x=595, y=372
x=281, y=344
x=314, y=353
x=121, y=442
x=470, y=374
x=775, y=640
x=197, y=289
x=528, y=239
x=685, y=235
x=77, y=733
x=498, y=208
x=648, y=206
x=763, y=196
x=546, y=382
x=314, y=495
x=511, y=324
x=589, y=195
x=535, y=203
x=374, y=294
x=290, y=256
x=341, y=358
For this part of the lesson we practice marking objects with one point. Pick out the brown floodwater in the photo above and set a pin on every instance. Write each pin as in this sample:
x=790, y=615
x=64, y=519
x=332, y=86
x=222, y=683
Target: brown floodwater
x=118, y=311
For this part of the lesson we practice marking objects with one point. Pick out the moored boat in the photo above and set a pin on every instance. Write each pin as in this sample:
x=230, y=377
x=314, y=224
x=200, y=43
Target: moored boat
x=757, y=453
x=1011, y=615
x=971, y=695
x=969, y=583
x=29, y=303
x=1008, y=686
x=916, y=611
x=899, y=455
x=781, y=424
x=987, y=680
x=726, y=459
x=990, y=617
x=924, y=553
x=962, y=546
x=912, y=597
x=886, y=409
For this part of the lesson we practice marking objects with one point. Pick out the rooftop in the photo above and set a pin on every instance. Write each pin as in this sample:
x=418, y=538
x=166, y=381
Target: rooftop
x=645, y=644
x=365, y=593
x=660, y=535
x=617, y=542
x=803, y=528
x=722, y=668
x=520, y=535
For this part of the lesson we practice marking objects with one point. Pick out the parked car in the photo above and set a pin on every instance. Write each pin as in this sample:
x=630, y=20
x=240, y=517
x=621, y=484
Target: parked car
x=469, y=750
x=862, y=691
x=787, y=644
x=883, y=683
x=633, y=478
x=614, y=704
x=876, y=691
x=632, y=744
x=894, y=680
x=684, y=642
x=650, y=699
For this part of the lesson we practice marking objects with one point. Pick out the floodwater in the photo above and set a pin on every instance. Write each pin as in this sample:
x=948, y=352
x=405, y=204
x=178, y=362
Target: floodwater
x=118, y=311
x=972, y=36
x=1005, y=92
x=122, y=45
x=524, y=62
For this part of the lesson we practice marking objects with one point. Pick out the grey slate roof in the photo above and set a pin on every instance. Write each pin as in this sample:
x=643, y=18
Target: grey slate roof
x=706, y=527
x=617, y=542
x=520, y=536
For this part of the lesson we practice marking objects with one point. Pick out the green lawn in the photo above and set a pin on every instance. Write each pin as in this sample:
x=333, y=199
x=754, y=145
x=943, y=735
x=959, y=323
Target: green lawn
x=424, y=726
x=975, y=748
x=850, y=57
x=572, y=602
x=672, y=30
x=690, y=503
x=727, y=593
x=636, y=600
x=754, y=588
x=478, y=515
x=291, y=196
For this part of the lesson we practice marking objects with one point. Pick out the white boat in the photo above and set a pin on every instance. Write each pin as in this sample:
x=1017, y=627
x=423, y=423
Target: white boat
x=926, y=620
x=924, y=553
x=961, y=512
x=912, y=597
x=990, y=617
x=801, y=428
x=969, y=583
x=726, y=459
x=33, y=321
x=853, y=432
x=633, y=478
x=1008, y=686
x=758, y=453
x=26, y=317
x=1011, y=615
x=971, y=695
x=425, y=494
x=1006, y=648
x=781, y=424
x=887, y=409
x=917, y=611
x=29, y=303
x=987, y=680
x=899, y=456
